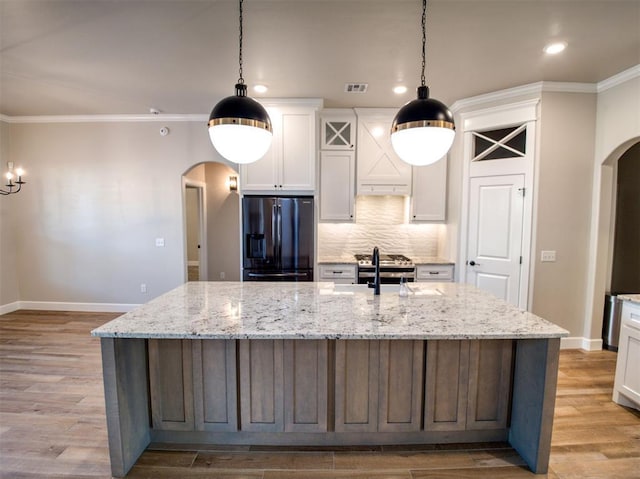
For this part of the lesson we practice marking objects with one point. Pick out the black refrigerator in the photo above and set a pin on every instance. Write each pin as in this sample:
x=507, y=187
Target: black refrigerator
x=278, y=242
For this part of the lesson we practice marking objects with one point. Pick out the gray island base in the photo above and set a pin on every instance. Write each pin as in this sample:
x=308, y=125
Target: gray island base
x=318, y=364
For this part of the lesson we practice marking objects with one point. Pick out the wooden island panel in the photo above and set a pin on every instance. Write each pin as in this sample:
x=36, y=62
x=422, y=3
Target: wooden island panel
x=261, y=369
x=446, y=385
x=401, y=372
x=356, y=386
x=490, y=369
x=171, y=384
x=215, y=385
x=306, y=380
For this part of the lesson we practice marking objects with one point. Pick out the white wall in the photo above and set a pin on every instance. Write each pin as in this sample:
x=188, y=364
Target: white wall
x=98, y=196
x=617, y=128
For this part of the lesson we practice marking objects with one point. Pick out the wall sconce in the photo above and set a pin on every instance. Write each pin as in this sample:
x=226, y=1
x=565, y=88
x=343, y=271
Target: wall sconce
x=232, y=182
x=14, y=186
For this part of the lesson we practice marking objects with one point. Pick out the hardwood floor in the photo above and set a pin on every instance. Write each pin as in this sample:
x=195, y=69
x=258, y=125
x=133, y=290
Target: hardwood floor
x=52, y=423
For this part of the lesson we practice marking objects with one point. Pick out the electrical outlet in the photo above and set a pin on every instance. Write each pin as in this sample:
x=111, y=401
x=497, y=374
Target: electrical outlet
x=548, y=256
x=222, y=275
x=159, y=242
x=143, y=288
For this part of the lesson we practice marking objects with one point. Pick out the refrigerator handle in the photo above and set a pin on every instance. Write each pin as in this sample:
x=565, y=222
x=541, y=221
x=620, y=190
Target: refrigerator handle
x=279, y=236
x=274, y=232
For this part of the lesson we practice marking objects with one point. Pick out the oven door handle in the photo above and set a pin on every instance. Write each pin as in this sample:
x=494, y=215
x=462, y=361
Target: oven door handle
x=277, y=275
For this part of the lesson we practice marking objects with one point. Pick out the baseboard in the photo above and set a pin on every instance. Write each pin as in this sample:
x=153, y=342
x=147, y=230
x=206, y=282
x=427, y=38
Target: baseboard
x=10, y=307
x=581, y=343
x=85, y=307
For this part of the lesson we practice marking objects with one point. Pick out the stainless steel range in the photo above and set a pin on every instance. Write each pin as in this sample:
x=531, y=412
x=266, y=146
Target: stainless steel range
x=393, y=267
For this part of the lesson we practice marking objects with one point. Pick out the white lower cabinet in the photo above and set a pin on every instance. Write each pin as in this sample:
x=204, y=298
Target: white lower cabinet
x=338, y=273
x=434, y=272
x=626, y=389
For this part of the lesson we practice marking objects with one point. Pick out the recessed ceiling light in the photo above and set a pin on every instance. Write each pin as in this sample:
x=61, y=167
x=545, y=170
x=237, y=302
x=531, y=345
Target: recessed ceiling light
x=260, y=88
x=555, y=48
x=400, y=89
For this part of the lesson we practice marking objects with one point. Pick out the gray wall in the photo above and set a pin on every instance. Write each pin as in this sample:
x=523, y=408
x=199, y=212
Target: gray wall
x=563, y=207
x=223, y=224
x=98, y=196
x=9, y=207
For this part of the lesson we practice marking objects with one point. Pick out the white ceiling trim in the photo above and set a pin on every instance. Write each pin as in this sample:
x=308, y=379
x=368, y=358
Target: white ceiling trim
x=532, y=88
x=615, y=80
x=267, y=102
x=102, y=118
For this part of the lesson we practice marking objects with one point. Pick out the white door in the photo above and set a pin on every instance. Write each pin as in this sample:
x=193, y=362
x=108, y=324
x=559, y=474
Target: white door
x=494, y=247
x=195, y=231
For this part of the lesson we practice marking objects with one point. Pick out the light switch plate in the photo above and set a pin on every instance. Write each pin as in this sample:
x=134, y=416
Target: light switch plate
x=548, y=256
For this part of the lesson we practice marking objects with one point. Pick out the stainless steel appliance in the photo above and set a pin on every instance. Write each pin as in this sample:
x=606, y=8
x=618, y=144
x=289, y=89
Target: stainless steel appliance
x=611, y=322
x=277, y=238
x=393, y=267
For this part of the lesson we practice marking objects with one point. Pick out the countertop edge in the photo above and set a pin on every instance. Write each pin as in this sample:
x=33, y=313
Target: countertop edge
x=632, y=298
x=409, y=337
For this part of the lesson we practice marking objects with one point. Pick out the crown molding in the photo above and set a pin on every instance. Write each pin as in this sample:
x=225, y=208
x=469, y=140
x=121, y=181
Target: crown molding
x=316, y=103
x=530, y=89
x=103, y=118
x=622, y=77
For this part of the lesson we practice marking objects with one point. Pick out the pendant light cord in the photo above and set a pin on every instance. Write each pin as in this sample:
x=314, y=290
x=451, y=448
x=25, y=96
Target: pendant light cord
x=424, y=40
x=241, y=80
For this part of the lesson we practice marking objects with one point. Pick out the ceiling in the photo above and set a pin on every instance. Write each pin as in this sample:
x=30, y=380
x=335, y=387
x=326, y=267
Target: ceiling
x=84, y=57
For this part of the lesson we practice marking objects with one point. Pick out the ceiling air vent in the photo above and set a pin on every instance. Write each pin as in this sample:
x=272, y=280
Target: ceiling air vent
x=356, y=87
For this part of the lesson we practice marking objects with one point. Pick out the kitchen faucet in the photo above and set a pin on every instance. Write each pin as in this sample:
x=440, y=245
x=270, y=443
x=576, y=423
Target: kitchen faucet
x=375, y=261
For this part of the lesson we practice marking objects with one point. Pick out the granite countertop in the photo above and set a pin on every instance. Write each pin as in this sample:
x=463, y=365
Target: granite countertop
x=430, y=260
x=350, y=259
x=634, y=298
x=260, y=310
x=343, y=259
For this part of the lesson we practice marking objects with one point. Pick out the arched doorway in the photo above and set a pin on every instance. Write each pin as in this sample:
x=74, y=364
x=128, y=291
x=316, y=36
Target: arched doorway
x=212, y=221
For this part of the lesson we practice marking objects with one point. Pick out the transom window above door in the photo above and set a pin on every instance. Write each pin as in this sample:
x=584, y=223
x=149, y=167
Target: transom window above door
x=500, y=144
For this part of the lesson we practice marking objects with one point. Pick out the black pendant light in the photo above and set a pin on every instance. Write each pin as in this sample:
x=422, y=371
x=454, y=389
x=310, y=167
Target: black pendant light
x=423, y=130
x=239, y=126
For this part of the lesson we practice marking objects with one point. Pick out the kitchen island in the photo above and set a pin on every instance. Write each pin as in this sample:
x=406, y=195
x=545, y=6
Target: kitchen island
x=324, y=364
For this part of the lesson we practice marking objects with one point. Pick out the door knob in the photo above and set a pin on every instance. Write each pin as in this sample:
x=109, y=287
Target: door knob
x=473, y=263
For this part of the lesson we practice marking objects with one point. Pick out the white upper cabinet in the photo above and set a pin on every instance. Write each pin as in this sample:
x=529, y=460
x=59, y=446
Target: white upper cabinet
x=338, y=129
x=379, y=170
x=337, y=164
x=290, y=164
x=429, y=195
x=337, y=179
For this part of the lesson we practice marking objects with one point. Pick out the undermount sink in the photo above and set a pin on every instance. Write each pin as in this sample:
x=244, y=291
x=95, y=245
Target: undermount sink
x=414, y=289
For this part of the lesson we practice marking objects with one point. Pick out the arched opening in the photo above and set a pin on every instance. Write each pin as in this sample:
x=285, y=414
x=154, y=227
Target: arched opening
x=211, y=223
x=623, y=260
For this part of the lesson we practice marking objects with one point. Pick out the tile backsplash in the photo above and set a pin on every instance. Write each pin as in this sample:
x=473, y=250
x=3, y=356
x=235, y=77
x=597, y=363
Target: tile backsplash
x=380, y=221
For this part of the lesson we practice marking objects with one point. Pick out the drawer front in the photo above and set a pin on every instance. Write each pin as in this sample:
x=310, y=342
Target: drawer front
x=434, y=273
x=337, y=271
